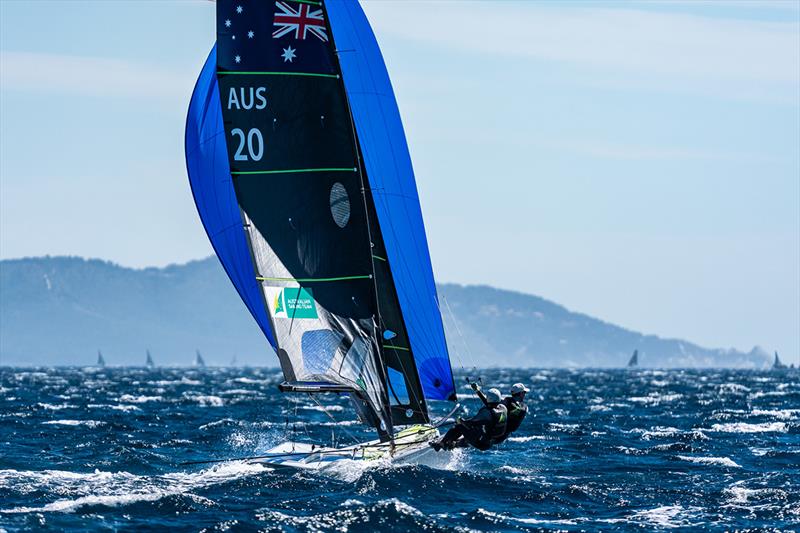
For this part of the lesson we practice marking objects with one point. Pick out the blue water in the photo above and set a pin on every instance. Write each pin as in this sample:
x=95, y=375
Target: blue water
x=88, y=449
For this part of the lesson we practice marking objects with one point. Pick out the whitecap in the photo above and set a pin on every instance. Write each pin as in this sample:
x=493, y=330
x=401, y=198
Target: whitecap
x=117, y=488
x=52, y=407
x=721, y=461
x=667, y=516
x=527, y=438
x=124, y=408
x=204, y=400
x=742, y=427
x=216, y=423
x=129, y=398
x=87, y=423
x=781, y=414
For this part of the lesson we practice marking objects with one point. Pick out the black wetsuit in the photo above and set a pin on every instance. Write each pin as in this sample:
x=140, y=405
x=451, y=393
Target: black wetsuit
x=480, y=431
x=516, y=414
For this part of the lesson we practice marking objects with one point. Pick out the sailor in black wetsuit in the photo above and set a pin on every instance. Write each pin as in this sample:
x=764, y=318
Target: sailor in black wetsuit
x=481, y=430
x=515, y=404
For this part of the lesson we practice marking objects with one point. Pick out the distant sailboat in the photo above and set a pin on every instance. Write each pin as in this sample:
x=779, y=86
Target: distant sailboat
x=634, y=361
x=198, y=360
x=149, y=363
x=777, y=364
x=101, y=362
x=233, y=361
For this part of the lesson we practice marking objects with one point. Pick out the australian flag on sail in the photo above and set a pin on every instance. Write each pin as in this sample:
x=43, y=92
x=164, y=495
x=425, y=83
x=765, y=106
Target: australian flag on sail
x=273, y=36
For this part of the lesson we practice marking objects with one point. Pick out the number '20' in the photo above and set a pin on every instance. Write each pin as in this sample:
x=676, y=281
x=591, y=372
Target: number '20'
x=254, y=141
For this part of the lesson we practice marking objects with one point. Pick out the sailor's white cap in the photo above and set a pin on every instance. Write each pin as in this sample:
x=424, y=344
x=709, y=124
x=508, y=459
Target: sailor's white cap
x=494, y=396
x=516, y=388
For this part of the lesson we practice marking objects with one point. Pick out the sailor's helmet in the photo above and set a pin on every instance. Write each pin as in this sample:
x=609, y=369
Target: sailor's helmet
x=518, y=388
x=494, y=396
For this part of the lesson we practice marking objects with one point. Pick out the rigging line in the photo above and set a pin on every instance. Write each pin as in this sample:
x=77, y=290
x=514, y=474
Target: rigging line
x=335, y=422
x=458, y=330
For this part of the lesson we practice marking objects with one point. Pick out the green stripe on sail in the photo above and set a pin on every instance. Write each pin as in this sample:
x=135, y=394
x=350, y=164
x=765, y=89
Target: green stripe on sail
x=273, y=73
x=315, y=280
x=379, y=258
x=292, y=171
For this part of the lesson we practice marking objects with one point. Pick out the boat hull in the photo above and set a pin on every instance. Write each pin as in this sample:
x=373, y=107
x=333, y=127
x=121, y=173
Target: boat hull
x=410, y=446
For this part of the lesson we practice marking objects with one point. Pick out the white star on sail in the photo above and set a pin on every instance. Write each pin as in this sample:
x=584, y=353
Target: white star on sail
x=250, y=34
x=228, y=23
x=288, y=54
x=238, y=59
x=239, y=9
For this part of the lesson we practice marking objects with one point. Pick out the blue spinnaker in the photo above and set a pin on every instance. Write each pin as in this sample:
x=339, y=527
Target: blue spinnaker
x=210, y=179
x=391, y=178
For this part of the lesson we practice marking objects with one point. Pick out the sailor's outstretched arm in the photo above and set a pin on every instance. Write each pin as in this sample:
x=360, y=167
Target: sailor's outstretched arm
x=480, y=394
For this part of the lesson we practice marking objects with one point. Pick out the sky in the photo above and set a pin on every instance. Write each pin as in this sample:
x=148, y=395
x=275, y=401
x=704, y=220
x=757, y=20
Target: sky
x=638, y=162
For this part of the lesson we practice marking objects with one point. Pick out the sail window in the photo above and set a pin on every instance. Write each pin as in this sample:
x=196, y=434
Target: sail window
x=397, y=387
x=340, y=205
x=319, y=347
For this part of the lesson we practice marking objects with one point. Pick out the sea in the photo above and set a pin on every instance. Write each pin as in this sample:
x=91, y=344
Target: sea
x=103, y=449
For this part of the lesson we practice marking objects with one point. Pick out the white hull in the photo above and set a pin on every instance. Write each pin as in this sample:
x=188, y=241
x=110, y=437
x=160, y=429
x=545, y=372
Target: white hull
x=411, y=446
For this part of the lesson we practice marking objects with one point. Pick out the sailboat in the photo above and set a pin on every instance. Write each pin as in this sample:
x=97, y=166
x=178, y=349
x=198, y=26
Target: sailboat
x=634, y=360
x=101, y=361
x=149, y=362
x=778, y=364
x=199, y=362
x=302, y=178
x=234, y=362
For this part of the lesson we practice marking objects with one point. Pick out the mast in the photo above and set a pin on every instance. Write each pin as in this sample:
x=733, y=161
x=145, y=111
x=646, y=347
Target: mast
x=377, y=321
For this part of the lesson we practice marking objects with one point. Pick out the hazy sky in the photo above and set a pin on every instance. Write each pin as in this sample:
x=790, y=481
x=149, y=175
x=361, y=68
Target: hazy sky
x=637, y=162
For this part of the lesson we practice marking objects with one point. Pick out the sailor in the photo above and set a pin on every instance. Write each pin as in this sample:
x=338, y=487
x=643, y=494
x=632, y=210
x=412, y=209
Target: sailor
x=481, y=430
x=516, y=410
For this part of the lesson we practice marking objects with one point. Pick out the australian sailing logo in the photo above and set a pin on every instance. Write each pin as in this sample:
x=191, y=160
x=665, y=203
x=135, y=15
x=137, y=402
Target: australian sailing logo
x=291, y=302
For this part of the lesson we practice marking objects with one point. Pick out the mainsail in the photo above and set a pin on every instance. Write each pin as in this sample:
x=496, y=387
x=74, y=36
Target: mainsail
x=301, y=174
x=100, y=359
x=149, y=361
x=198, y=360
x=634, y=360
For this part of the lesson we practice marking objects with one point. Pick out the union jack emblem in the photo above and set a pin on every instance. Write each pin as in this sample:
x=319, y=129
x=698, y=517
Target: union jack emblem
x=301, y=21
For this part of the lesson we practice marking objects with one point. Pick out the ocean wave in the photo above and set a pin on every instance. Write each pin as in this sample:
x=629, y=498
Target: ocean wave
x=87, y=423
x=59, y=407
x=115, y=489
x=500, y=517
x=205, y=400
x=781, y=414
x=666, y=516
x=743, y=427
x=123, y=408
x=129, y=398
x=739, y=495
x=721, y=461
x=527, y=438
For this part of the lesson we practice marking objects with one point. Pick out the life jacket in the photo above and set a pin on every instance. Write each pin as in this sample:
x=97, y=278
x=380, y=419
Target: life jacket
x=516, y=413
x=499, y=421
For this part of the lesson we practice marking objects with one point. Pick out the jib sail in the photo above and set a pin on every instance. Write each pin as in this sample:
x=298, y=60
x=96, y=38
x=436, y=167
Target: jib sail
x=281, y=182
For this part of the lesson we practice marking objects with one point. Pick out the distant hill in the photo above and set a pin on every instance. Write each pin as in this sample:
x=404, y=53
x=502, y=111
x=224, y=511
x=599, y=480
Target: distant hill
x=61, y=310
